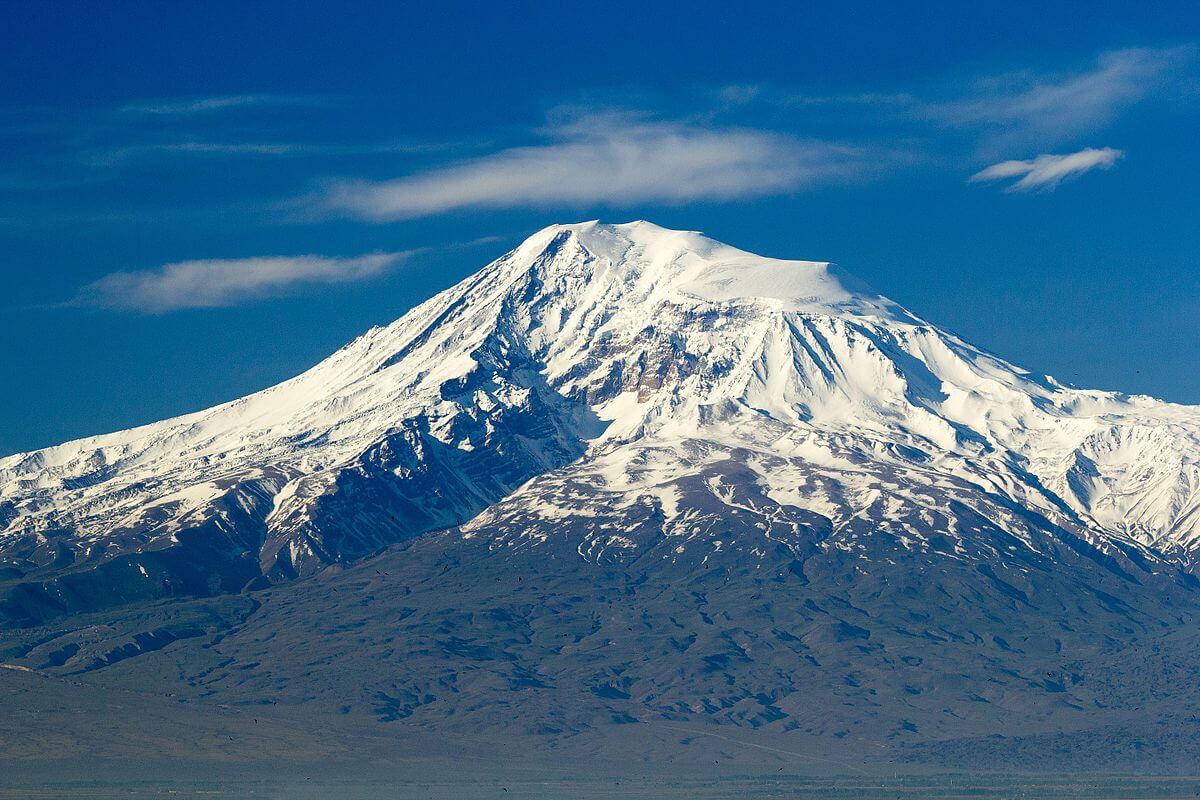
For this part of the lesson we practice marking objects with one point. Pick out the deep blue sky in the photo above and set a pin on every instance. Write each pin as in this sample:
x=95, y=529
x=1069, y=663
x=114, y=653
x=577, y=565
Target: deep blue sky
x=138, y=135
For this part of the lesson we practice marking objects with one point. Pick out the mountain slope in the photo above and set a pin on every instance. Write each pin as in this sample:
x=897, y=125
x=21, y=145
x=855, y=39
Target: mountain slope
x=651, y=382
x=800, y=657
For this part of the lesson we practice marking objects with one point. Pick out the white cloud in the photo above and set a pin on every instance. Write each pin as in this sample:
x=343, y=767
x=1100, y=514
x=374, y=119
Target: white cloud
x=1066, y=105
x=214, y=283
x=611, y=159
x=1047, y=171
x=201, y=105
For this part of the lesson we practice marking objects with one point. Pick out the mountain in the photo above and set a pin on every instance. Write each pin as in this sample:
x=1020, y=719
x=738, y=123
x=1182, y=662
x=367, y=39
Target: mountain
x=629, y=370
x=627, y=477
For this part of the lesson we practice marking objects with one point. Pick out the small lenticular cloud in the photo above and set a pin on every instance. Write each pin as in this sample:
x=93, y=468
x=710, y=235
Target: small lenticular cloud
x=1048, y=170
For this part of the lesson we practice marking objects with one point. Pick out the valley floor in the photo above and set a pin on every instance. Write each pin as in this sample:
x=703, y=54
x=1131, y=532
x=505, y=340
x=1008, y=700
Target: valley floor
x=464, y=782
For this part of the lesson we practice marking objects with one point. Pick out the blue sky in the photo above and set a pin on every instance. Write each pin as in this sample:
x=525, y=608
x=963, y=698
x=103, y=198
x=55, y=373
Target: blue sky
x=200, y=199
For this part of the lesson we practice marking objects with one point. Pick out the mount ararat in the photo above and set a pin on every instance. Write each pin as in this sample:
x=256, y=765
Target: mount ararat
x=634, y=483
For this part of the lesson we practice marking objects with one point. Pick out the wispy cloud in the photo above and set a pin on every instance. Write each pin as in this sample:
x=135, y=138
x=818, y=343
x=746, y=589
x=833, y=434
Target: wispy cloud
x=996, y=112
x=1048, y=170
x=1057, y=107
x=118, y=155
x=215, y=283
x=202, y=105
x=743, y=94
x=610, y=159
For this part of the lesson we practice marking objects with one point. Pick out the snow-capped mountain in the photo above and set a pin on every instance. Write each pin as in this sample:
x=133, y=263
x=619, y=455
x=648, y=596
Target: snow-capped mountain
x=614, y=391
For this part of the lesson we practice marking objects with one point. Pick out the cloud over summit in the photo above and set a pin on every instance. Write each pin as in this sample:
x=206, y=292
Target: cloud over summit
x=610, y=159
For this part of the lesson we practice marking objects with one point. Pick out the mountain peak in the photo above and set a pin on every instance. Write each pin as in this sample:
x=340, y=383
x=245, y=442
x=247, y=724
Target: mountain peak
x=675, y=263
